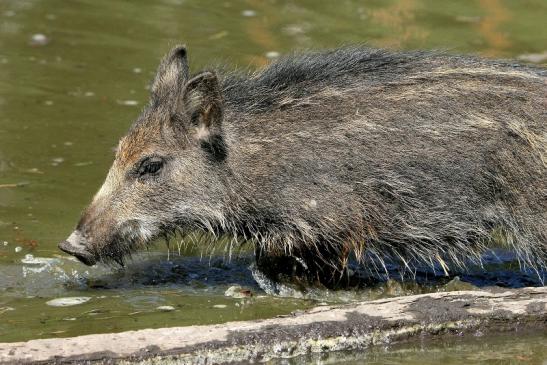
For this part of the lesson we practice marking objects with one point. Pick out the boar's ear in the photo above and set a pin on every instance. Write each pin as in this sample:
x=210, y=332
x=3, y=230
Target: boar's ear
x=171, y=76
x=201, y=105
x=201, y=109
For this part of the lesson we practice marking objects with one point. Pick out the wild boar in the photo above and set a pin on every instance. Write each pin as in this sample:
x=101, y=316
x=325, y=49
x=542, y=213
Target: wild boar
x=421, y=157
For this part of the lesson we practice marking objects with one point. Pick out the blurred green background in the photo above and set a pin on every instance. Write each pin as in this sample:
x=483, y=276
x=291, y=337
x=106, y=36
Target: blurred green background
x=73, y=76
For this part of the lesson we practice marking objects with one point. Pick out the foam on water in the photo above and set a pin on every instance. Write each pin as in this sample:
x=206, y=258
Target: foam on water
x=66, y=302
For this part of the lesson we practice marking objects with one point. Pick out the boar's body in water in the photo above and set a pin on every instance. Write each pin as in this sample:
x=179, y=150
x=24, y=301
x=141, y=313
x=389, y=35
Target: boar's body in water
x=416, y=156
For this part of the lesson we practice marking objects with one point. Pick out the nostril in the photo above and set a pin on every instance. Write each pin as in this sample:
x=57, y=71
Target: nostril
x=67, y=247
x=80, y=252
x=70, y=248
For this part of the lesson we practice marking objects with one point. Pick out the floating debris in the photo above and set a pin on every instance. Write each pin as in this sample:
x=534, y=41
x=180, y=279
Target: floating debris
x=219, y=35
x=38, y=265
x=94, y=312
x=84, y=163
x=56, y=332
x=6, y=309
x=128, y=102
x=48, y=102
x=272, y=54
x=8, y=185
x=165, y=308
x=18, y=249
x=220, y=306
x=57, y=160
x=295, y=29
x=29, y=259
x=39, y=39
x=238, y=292
x=34, y=170
x=89, y=93
x=248, y=13
x=137, y=70
x=5, y=243
x=534, y=57
x=68, y=301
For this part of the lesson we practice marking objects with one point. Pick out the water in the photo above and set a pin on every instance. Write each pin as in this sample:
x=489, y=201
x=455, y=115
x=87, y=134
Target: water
x=502, y=349
x=73, y=76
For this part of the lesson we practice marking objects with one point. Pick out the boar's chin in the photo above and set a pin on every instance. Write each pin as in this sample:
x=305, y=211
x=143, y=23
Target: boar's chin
x=127, y=240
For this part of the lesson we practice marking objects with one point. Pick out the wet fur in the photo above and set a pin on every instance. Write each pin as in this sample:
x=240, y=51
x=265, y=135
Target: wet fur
x=416, y=156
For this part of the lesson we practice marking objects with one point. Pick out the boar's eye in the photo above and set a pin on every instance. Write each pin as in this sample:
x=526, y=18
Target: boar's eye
x=150, y=166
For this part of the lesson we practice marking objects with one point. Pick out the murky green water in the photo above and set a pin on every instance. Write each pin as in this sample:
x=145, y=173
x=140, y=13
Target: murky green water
x=503, y=349
x=65, y=103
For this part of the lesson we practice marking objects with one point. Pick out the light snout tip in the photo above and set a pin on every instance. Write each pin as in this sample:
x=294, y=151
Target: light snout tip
x=77, y=250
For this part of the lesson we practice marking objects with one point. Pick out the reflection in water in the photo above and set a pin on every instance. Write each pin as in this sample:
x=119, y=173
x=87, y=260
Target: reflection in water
x=50, y=297
x=400, y=19
x=505, y=348
x=491, y=27
x=259, y=29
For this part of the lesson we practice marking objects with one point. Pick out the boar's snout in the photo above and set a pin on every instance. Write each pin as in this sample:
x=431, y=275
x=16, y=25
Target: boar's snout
x=75, y=245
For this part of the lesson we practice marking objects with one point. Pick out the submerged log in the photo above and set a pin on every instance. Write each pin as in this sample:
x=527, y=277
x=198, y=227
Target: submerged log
x=325, y=328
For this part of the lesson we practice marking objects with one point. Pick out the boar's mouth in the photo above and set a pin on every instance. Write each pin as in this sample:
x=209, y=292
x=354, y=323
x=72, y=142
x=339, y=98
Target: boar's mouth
x=110, y=247
x=81, y=254
x=116, y=246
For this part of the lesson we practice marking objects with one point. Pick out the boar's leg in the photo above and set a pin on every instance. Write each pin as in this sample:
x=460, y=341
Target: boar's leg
x=320, y=265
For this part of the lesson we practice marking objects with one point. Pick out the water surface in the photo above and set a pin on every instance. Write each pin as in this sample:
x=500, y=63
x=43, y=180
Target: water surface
x=73, y=76
x=502, y=349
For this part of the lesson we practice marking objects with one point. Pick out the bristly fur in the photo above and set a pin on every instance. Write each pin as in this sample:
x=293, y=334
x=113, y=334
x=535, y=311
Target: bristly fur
x=421, y=157
x=417, y=156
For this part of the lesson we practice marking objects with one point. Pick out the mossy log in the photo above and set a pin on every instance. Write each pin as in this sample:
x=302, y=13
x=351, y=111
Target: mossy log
x=354, y=326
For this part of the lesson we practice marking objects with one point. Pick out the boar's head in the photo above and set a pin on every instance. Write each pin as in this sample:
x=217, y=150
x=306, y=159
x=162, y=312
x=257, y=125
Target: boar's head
x=167, y=173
